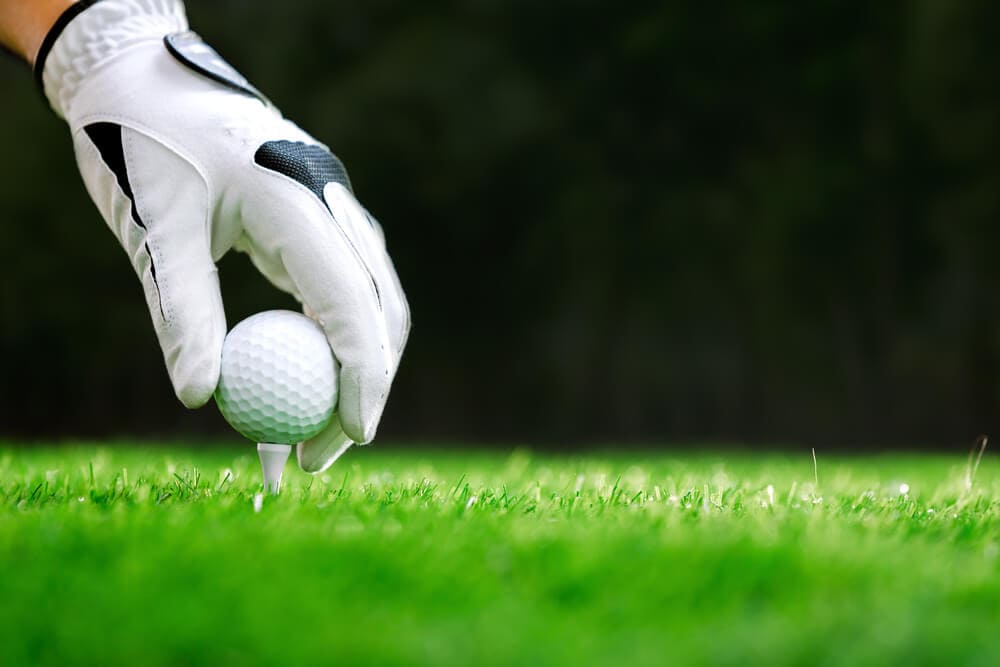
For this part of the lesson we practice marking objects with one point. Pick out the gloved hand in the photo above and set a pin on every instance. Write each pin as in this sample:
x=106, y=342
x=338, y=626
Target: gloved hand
x=185, y=160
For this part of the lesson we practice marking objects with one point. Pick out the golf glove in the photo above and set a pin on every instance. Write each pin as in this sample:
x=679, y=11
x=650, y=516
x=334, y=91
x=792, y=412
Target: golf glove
x=185, y=160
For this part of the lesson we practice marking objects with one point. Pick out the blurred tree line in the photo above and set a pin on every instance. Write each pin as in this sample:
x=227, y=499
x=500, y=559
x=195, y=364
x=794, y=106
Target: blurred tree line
x=764, y=221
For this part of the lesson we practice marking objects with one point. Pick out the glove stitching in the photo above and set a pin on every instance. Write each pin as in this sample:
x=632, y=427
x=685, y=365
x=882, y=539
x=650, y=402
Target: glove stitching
x=160, y=279
x=141, y=128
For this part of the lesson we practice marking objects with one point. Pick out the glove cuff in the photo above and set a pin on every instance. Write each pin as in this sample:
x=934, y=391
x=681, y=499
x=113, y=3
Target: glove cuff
x=92, y=32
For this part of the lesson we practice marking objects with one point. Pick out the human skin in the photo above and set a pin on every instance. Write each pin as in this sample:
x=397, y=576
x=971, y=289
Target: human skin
x=24, y=24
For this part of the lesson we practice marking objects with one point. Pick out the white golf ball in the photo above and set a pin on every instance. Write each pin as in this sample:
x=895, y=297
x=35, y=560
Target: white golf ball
x=278, y=382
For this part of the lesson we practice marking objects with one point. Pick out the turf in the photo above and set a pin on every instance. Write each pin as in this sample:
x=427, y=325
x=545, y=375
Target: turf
x=161, y=556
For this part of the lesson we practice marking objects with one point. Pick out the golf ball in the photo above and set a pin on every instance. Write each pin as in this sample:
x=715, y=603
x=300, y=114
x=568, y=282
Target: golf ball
x=278, y=382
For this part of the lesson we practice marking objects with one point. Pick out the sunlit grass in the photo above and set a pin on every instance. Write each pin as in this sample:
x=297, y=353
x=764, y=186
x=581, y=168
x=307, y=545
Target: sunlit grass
x=171, y=556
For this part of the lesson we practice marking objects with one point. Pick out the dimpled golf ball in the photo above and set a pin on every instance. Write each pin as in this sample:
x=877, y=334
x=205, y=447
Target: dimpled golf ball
x=278, y=382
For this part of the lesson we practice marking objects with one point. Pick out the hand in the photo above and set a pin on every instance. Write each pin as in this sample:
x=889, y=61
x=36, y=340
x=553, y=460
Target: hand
x=185, y=160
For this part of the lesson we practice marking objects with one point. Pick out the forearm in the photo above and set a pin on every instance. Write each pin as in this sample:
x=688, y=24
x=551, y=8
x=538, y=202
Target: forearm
x=24, y=24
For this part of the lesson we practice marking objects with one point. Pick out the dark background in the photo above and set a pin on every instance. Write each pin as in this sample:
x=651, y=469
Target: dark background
x=767, y=222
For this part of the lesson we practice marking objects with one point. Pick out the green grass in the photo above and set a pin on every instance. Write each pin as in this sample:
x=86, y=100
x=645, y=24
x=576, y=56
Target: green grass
x=158, y=557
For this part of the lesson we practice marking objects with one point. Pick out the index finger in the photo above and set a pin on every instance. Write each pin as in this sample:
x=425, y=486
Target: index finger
x=336, y=284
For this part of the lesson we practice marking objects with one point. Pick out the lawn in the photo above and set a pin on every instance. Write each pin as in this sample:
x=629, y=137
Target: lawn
x=125, y=555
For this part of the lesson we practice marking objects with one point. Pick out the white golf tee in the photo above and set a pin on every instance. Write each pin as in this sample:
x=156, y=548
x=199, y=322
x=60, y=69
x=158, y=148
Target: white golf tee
x=272, y=463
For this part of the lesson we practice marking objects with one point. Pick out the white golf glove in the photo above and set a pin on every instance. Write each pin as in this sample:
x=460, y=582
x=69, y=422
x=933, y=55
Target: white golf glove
x=185, y=160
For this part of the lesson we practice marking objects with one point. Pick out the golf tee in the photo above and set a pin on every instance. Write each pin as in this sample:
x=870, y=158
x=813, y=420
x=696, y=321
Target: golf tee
x=272, y=463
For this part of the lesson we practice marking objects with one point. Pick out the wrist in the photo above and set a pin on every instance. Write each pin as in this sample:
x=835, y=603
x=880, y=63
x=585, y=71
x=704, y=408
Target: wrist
x=92, y=32
x=23, y=25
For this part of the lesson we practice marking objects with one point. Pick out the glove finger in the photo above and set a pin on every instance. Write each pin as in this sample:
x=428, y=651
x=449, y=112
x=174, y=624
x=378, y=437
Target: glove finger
x=162, y=223
x=366, y=234
x=292, y=225
x=319, y=453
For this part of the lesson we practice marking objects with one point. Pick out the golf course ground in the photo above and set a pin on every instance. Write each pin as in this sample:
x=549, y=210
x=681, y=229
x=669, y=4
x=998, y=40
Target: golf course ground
x=167, y=554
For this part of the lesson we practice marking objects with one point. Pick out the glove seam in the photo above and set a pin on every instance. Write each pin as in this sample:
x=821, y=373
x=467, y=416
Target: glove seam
x=130, y=123
x=160, y=282
x=324, y=207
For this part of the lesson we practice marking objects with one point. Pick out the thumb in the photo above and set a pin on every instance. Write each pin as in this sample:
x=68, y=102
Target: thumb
x=157, y=203
x=319, y=453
